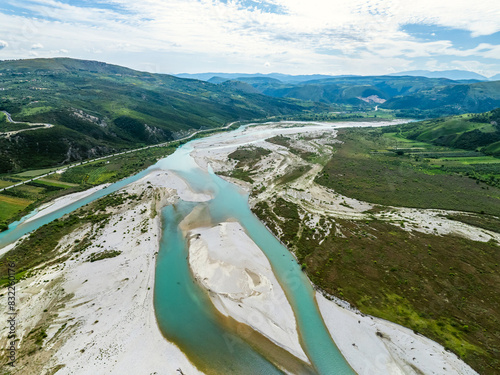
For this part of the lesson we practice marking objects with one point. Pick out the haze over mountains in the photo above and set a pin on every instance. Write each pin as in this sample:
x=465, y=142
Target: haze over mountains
x=450, y=74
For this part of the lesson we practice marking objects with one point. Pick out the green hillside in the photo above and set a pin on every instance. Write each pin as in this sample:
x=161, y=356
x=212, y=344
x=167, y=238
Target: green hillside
x=477, y=132
x=98, y=108
x=449, y=100
x=418, y=97
x=343, y=90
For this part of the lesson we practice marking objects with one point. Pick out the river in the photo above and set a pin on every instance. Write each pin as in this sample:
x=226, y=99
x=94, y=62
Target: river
x=184, y=311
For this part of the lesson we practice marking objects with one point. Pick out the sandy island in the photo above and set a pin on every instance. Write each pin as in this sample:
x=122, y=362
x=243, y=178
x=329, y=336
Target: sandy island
x=242, y=284
x=100, y=315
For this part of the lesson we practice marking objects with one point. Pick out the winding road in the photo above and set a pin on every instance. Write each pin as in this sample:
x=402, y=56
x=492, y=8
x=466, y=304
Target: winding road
x=35, y=126
x=107, y=156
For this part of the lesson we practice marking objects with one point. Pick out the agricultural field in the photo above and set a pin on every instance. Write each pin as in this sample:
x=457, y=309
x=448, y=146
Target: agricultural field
x=35, y=172
x=386, y=169
x=10, y=206
x=18, y=201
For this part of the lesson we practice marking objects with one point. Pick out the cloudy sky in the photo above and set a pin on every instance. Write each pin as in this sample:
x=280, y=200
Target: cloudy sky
x=287, y=36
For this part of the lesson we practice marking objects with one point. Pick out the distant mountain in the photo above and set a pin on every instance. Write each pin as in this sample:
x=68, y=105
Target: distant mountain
x=495, y=78
x=350, y=90
x=239, y=76
x=415, y=96
x=250, y=80
x=449, y=100
x=450, y=74
x=456, y=75
x=98, y=108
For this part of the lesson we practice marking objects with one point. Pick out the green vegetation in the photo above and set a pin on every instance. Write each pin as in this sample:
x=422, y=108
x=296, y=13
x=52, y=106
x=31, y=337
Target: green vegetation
x=6, y=126
x=308, y=156
x=415, y=97
x=294, y=174
x=479, y=132
x=368, y=167
x=35, y=172
x=99, y=109
x=94, y=257
x=10, y=206
x=19, y=201
x=240, y=174
x=280, y=140
x=247, y=157
x=441, y=287
x=447, y=100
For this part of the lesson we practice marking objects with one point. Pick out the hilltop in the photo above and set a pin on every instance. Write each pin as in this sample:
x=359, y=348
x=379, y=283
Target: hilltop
x=98, y=108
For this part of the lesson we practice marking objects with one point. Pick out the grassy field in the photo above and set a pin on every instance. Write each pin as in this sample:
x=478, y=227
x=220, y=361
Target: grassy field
x=55, y=182
x=11, y=206
x=36, y=172
x=444, y=287
x=375, y=167
x=18, y=201
x=4, y=183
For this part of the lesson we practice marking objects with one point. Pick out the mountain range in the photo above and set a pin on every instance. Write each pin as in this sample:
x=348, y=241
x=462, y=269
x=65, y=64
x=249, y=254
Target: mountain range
x=288, y=78
x=413, y=96
x=98, y=108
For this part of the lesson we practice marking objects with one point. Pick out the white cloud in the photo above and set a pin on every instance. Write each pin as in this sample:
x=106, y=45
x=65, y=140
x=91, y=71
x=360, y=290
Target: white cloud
x=37, y=46
x=326, y=36
x=3, y=44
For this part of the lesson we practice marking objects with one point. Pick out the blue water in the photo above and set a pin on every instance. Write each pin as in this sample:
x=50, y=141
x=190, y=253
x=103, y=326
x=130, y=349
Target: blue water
x=184, y=312
x=231, y=202
x=19, y=228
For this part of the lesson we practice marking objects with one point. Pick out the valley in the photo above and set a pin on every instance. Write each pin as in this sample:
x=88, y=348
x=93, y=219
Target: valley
x=329, y=236
x=346, y=246
x=262, y=187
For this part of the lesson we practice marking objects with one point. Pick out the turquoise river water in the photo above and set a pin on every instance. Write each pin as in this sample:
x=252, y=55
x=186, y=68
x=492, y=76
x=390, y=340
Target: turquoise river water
x=184, y=311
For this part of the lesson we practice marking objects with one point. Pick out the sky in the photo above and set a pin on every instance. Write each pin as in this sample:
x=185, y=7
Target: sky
x=366, y=37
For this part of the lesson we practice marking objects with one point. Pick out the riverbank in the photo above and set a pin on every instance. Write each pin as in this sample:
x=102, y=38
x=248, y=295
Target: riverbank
x=375, y=346
x=93, y=313
x=273, y=179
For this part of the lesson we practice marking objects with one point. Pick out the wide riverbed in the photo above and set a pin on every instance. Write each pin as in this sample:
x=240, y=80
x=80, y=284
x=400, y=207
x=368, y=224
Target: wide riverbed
x=184, y=311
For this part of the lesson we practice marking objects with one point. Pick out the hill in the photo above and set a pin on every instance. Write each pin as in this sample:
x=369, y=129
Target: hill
x=357, y=91
x=450, y=74
x=410, y=96
x=98, y=108
x=448, y=100
x=476, y=132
